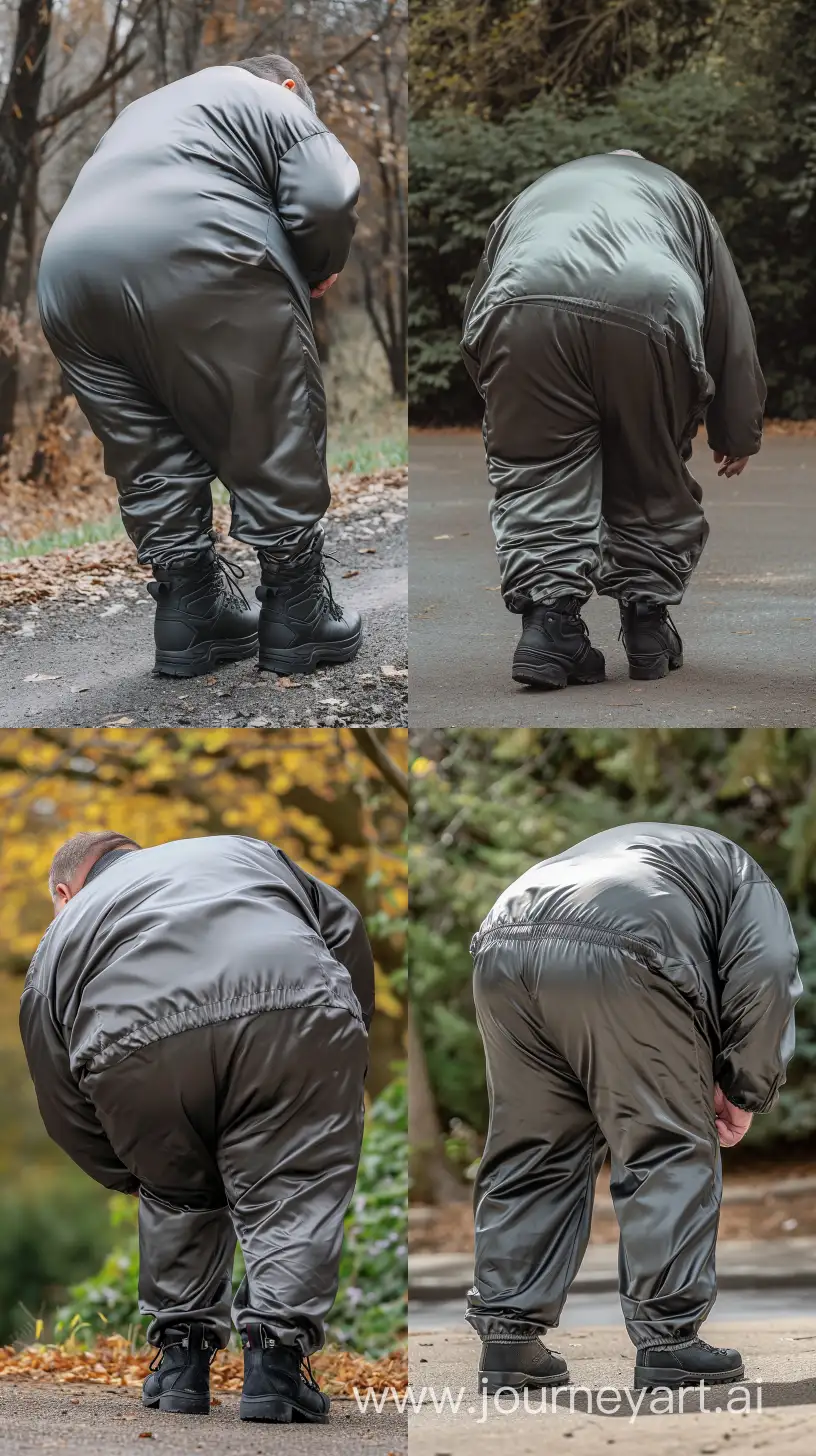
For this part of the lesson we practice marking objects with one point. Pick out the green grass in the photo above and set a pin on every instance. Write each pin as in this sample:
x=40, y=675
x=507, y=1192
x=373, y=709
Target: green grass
x=362, y=457
x=106, y=530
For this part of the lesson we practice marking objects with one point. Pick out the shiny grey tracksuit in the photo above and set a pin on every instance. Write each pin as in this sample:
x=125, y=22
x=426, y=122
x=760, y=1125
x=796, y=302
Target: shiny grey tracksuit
x=195, y=1022
x=614, y=985
x=605, y=322
x=174, y=291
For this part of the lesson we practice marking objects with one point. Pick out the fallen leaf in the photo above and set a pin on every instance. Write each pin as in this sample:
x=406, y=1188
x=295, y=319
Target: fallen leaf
x=347, y=574
x=112, y=611
x=390, y=671
x=367, y=551
x=41, y=677
x=442, y=538
x=80, y=690
x=119, y=723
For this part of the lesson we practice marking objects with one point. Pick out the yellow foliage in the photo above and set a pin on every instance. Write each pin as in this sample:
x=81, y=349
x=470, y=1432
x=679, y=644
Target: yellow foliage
x=311, y=791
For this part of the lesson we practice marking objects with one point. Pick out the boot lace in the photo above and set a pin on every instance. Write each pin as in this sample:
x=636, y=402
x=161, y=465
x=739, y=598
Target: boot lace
x=212, y=1351
x=317, y=578
x=665, y=616
x=227, y=576
x=306, y=1371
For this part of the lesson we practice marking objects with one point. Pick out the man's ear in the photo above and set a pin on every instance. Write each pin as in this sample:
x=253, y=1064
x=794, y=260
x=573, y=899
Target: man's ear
x=289, y=85
x=62, y=894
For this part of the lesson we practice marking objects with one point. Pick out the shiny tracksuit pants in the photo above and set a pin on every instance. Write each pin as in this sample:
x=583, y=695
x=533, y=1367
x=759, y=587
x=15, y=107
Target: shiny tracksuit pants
x=250, y=1127
x=587, y=1049
x=226, y=384
x=588, y=426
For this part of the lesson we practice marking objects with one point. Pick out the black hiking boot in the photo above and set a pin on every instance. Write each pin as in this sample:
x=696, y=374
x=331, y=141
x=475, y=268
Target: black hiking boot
x=180, y=1379
x=687, y=1364
x=202, y=616
x=301, y=624
x=517, y=1365
x=554, y=648
x=278, y=1382
x=653, y=644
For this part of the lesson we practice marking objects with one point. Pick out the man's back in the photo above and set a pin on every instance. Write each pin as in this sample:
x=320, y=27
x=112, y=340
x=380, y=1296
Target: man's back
x=670, y=886
x=186, y=176
x=618, y=233
x=178, y=936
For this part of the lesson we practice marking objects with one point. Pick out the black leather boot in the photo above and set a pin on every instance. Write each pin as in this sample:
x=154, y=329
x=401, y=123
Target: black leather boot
x=202, y=616
x=180, y=1379
x=653, y=644
x=687, y=1364
x=554, y=648
x=518, y=1365
x=301, y=624
x=278, y=1382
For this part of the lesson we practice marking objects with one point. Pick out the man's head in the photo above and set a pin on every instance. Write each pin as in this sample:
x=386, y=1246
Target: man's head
x=282, y=71
x=73, y=863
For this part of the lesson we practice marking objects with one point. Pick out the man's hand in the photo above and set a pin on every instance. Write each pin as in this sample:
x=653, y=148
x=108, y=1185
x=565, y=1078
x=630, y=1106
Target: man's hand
x=730, y=466
x=732, y=1122
x=321, y=288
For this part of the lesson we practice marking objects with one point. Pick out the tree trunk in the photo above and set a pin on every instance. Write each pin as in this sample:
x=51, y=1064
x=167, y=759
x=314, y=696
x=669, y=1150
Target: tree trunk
x=10, y=364
x=432, y=1179
x=18, y=113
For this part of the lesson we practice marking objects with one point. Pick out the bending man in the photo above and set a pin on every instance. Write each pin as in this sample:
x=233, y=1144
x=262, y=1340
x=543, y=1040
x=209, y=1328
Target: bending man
x=636, y=994
x=605, y=322
x=174, y=290
x=195, y=1024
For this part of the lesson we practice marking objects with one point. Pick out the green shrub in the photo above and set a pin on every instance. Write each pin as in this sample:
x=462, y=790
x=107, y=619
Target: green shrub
x=731, y=138
x=52, y=1231
x=370, y=1312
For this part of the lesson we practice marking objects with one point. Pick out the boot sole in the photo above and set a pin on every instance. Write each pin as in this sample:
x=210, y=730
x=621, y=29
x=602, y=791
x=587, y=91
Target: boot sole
x=649, y=669
x=295, y=661
x=196, y=661
x=275, y=1410
x=647, y=1378
x=177, y=1404
x=546, y=672
x=492, y=1381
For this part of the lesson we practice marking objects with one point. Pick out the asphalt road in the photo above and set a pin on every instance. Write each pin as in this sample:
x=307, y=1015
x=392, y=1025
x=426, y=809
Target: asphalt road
x=93, y=1420
x=775, y=1406
x=94, y=662
x=748, y=619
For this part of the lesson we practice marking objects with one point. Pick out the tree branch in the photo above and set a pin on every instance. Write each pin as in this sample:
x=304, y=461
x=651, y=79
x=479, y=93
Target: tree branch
x=370, y=745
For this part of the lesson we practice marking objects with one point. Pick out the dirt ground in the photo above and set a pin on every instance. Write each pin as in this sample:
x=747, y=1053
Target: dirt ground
x=772, y=1210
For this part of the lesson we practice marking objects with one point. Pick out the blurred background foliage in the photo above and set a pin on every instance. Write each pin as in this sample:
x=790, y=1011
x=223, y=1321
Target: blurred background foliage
x=487, y=804
x=322, y=796
x=721, y=93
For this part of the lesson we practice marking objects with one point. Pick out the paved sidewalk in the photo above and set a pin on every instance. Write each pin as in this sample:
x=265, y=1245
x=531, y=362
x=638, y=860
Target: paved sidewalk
x=741, y=1264
x=94, y=1420
x=775, y=1409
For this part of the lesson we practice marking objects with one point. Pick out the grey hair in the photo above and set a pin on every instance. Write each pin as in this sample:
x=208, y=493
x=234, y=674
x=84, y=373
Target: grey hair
x=75, y=851
x=280, y=69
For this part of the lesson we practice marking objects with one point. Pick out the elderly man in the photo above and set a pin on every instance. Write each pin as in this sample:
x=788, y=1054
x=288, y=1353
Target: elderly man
x=634, y=993
x=174, y=290
x=605, y=322
x=195, y=1024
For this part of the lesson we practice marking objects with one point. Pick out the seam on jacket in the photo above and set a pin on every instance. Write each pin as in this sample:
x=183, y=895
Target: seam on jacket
x=209, y=1013
x=563, y=930
x=602, y=313
x=321, y=131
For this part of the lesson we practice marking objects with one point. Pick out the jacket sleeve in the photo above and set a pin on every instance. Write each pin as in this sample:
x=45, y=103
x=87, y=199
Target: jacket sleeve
x=69, y=1117
x=317, y=191
x=343, y=929
x=759, y=988
x=734, y=419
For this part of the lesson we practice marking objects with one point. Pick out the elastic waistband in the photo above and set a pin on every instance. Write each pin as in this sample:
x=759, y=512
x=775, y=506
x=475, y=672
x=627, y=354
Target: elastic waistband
x=566, y=930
